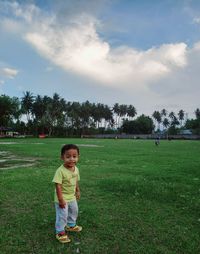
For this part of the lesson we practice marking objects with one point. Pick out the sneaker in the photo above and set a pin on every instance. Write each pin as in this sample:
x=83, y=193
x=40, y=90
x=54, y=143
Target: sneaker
x=73, y=229
x=63, y=238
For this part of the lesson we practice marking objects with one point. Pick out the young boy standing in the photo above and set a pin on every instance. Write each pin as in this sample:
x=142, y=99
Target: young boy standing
x=67, y=193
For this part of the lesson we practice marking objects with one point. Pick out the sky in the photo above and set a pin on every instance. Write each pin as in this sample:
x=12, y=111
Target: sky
x=139, y=52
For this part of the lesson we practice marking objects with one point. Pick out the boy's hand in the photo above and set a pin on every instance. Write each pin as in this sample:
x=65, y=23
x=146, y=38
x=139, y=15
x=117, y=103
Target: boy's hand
x=62, y=204
x=78, y=195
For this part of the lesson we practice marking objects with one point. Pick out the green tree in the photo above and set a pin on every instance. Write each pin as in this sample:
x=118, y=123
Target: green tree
x=174, y=119
x=165, y=123
x=107, y=115
x=181, y=115
x=194, y=124
x=157, y=116
x=197, y=113
x=9, y=109
x=163, y=112
x=131, y=111
x=74, y=117
x=55, y=113
x=122, y=110
x=174, y=122
x=85, y=116
x=172, y=115
x=27, y=104
x=142, y=125
x=116, y=111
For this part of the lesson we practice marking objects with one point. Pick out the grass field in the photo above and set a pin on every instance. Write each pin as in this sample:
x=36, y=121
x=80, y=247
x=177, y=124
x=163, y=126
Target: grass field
x=136, y=198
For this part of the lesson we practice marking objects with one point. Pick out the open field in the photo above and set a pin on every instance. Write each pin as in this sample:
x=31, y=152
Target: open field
x=136, y=198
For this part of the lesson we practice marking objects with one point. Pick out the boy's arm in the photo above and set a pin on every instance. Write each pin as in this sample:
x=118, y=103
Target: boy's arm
x=61, y=201
x=78, y=194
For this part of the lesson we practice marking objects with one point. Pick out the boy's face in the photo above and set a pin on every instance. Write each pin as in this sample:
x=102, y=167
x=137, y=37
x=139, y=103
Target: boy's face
x=70, y=158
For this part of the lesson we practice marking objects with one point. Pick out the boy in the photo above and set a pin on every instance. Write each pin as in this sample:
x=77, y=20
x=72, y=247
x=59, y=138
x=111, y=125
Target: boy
x=66, y=193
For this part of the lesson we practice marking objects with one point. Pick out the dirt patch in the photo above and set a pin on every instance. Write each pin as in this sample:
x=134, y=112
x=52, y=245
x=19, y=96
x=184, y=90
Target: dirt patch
x=8, y=143
x=9, y=160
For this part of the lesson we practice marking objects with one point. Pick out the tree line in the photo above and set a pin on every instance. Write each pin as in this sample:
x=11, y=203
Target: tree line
x=54, y=116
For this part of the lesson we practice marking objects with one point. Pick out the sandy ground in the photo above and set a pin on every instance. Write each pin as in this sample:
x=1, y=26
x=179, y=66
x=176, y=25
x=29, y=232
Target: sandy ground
x=9, y=160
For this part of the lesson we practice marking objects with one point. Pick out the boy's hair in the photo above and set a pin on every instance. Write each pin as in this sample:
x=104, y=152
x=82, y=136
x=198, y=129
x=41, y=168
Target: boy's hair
x=68, y=147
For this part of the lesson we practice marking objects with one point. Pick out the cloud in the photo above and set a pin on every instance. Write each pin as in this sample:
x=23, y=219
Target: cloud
x=69, y=38
x=196, y=20
x=8, y=72
x=76, y=46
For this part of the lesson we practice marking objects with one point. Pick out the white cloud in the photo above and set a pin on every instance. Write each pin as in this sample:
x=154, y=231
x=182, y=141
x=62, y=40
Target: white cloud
x=72, y=42
x=77, y=47
x=25, y=12
x=8, y=72
x=196, y=20
x=10, y=26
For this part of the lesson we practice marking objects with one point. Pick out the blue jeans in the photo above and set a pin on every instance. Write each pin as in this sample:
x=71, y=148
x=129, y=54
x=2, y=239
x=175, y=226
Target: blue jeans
x=66, y=216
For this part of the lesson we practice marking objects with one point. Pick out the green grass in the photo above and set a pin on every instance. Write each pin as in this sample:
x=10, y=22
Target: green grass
x=136, y=198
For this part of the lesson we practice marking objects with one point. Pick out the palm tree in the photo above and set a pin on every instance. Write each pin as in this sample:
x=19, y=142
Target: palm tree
x=131, y=111
x=85, y=114
x=181, y=115
x=172, y=115
x=166, y=123
x=27, y=104
x=157, y=116
x=95, y=114
x=109, y=121
x=38, y=108
x=116, y=112
x=74, y=114
x=122, y=111
x=163, y=112
x=197, y=113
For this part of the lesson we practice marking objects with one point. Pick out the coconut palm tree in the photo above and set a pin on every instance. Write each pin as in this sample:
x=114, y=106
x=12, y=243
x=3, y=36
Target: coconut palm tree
x=109, y=121
x=116, y=111
x=163, y=112
x=131, y=111
x=197, y=113
x=122, y=112
x=157, y=116
x=172, y=115
x=27, y=104
x=181, y=115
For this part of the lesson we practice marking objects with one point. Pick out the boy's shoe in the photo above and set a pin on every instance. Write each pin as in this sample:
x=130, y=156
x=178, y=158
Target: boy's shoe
x=63, y=238
x=73, y=229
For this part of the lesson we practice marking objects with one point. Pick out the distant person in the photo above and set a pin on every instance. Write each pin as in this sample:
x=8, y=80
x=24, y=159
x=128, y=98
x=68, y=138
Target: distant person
x=67, y=193
x=157, y=141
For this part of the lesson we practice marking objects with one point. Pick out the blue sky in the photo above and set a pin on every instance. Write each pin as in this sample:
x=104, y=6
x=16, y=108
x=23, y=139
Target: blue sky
x=144, y=53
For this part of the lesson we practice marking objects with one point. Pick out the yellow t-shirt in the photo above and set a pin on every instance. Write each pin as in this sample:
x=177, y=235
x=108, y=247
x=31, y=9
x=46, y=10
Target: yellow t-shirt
x=68, y=180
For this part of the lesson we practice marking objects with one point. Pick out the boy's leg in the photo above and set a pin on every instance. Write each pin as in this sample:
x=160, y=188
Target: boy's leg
x=72, y=213
x=61, y=221
x=61, y=218
x=72, y=217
